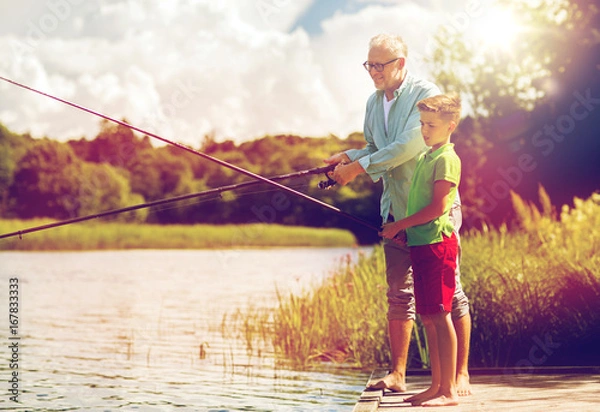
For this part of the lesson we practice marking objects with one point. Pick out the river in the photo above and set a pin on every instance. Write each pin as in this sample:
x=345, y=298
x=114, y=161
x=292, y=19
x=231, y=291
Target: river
x=147, y=330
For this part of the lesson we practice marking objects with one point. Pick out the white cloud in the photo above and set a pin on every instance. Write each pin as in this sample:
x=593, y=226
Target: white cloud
x=343, y=46
x=180, y=69
x=269, y=14
x=186, y=68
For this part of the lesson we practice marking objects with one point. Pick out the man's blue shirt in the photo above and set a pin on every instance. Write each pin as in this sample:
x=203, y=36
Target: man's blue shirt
x=392, y=155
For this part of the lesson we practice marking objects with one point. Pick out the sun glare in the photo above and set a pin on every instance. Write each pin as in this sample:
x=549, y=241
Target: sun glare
x=498, y=29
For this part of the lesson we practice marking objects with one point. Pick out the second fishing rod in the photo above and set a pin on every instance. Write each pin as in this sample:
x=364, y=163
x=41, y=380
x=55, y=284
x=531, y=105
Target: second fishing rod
x=198, y=153
x=215, y=191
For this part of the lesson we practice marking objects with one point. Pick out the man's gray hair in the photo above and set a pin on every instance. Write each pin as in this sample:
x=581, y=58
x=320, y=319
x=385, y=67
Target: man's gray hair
x=390, y=41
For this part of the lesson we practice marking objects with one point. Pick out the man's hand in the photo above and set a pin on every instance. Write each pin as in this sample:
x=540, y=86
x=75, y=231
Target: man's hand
x=337, y=158
x=344, y=173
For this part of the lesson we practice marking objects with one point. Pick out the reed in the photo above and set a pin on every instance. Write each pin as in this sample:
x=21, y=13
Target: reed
x=339, y=320
x=114, y=235
x=534, y=292
x=540, y=283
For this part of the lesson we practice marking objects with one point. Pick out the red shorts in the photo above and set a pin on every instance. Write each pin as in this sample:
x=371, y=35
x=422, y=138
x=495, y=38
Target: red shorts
x=434, y=268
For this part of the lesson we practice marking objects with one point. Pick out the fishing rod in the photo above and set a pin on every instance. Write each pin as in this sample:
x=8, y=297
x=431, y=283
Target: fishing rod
x=217, y=190
x=198, y=153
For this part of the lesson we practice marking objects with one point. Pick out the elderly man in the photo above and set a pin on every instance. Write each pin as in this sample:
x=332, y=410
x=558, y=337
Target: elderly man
x=393, y=143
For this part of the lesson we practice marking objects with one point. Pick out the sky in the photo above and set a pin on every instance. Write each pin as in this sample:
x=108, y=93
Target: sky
x=184, y=69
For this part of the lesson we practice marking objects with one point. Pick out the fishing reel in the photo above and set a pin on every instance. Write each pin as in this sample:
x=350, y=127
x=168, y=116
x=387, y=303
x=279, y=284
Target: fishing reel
x=327, y=184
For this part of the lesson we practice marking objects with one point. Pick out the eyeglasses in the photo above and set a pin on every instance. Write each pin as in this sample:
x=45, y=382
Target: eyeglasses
x=378, y=66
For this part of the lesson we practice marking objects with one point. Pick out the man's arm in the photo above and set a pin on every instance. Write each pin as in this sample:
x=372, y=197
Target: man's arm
x=406, y=146
x=345, y=170
x=377, y=161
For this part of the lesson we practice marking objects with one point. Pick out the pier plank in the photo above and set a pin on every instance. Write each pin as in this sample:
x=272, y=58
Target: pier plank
x=370, y=398
x=501, y=392
x=366, y=406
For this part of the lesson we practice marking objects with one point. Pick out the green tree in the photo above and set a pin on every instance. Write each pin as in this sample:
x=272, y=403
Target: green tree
x=515, y=93
x=552, y=38
x=115, y=144
x=41, y=186
x=102, y=187
x=12, y=149
x=51, y=181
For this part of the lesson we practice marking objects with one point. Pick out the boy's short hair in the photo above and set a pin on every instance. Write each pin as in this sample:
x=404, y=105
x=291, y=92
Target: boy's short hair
x=392, y=42
x=447, y=105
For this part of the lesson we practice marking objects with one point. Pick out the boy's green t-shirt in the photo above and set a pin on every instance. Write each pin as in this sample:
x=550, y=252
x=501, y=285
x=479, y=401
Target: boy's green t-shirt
x=443, y=164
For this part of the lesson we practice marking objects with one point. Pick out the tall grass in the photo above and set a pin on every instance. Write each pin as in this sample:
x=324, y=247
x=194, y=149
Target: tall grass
x=114, y=235
x=339, y=320
x=540, y=283
x=325, y=325
x=534, y=292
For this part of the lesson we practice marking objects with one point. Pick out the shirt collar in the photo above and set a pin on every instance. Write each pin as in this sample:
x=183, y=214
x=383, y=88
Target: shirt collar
x=400, y=88
x=445, y=148
x=403, y=85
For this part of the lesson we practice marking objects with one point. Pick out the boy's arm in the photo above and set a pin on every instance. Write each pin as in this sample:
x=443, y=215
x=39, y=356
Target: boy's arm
x=441, y=197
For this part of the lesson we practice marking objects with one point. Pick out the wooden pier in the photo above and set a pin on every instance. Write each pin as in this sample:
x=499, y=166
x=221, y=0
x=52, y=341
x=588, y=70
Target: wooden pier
x=571, y=389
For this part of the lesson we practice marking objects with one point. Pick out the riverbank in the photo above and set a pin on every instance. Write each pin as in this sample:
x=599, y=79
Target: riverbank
x=534, y=292
x=115, y=235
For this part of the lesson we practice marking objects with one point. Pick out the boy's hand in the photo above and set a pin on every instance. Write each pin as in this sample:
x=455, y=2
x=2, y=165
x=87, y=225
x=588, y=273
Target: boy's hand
x=401, y=238
x=393, y=232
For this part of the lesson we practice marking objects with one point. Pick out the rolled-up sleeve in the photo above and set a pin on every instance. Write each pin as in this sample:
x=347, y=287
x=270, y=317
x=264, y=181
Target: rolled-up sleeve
x=406, y=146
x=354, y=154
x=390, y=153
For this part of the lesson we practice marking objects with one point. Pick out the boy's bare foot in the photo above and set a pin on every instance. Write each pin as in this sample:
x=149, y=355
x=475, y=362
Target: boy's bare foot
x=463, y=384
x=423, y=396
x=393, y=381
x=442, y=400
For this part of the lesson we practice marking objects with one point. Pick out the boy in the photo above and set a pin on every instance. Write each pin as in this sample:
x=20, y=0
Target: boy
x=433, y=245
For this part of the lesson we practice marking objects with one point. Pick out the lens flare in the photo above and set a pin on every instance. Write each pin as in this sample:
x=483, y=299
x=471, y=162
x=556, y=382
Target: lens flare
x=498, y=29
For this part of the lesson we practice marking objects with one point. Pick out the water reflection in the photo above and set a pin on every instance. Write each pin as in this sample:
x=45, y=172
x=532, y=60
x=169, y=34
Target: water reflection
x=144, y=330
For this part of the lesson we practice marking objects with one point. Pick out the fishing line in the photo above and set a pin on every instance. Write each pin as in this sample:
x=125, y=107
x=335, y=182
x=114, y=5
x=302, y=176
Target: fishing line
x=198, y=153
x=182, y=204
x=199, y=201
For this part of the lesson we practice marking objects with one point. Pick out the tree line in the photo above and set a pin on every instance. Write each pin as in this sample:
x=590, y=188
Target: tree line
x=119, y=168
